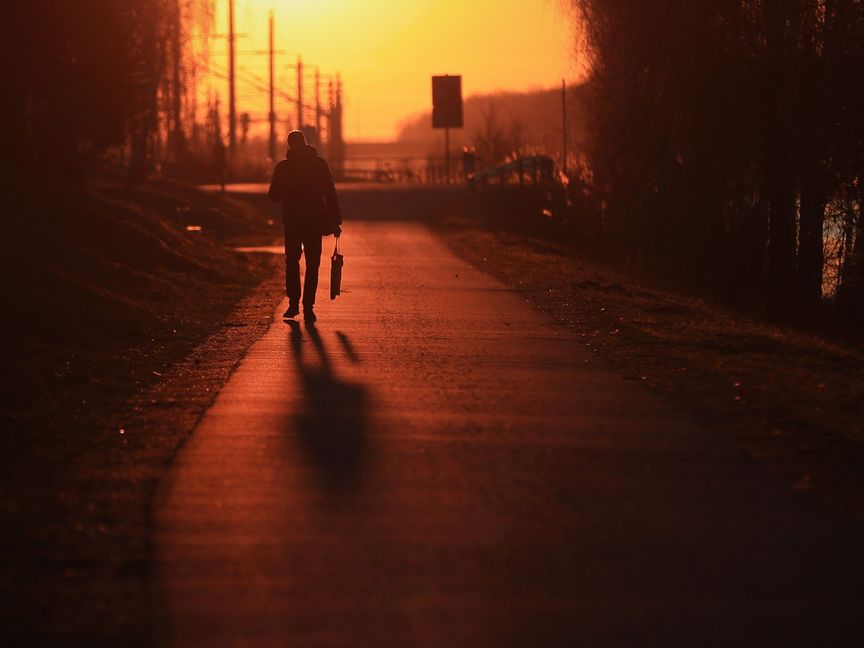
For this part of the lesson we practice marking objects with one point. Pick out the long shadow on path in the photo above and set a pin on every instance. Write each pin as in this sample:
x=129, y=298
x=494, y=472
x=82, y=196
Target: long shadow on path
x=333, y=424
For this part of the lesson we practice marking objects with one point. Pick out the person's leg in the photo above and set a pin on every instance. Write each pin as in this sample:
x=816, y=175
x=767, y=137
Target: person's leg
x=312, y=252
x=292, y=267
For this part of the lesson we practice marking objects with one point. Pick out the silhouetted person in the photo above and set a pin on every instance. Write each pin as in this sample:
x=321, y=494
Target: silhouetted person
x=310, y=210
x=220, y=160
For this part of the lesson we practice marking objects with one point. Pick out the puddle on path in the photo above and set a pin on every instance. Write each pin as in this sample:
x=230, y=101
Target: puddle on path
x=262, y=249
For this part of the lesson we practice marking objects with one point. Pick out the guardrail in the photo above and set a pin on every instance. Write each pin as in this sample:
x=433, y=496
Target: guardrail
x=533, y=171
x=528, y=193
x=529, y=171
x=399, y=170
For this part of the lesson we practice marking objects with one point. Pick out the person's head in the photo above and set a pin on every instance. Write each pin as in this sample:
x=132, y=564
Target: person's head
x=296, y=140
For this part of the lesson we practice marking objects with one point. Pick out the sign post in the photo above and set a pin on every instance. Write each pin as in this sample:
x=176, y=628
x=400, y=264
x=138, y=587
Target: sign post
x=447, y=154
x=447, y=110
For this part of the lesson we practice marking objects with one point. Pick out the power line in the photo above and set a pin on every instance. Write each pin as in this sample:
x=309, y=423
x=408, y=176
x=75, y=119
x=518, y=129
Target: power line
x=255, y=81
x=232, y=73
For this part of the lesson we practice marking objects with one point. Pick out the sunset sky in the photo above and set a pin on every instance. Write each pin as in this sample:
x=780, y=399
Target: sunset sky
x=386, y=51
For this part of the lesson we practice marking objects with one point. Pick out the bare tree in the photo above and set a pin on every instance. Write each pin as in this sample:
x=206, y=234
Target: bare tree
x=498, y=140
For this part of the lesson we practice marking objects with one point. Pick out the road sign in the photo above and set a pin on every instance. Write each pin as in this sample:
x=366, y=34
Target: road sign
x=446, y=102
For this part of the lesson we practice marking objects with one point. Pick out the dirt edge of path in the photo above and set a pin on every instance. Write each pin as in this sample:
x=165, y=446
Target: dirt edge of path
x=158, y=421
x=792, y=401
x=167, y=414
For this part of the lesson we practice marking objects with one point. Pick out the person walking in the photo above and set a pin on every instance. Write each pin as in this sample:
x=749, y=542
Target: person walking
x=310, y=210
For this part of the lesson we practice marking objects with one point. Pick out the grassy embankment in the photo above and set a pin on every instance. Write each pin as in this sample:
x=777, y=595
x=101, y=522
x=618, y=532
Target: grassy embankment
x=793, y=399
x=104, y=290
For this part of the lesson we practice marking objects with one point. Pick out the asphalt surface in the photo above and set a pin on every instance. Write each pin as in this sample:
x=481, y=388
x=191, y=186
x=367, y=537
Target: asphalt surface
x=436, y=463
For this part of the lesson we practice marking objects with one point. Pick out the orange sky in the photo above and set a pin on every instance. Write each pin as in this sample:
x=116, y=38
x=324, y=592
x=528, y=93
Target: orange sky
x=386, y=51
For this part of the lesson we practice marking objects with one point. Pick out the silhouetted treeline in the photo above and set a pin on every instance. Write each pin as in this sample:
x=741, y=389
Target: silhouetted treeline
x=79, y=77
x=725, y=143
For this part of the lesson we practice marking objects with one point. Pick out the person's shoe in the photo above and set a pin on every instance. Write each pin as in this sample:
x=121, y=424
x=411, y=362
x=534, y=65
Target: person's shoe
x=309, y=315
x=293, y=311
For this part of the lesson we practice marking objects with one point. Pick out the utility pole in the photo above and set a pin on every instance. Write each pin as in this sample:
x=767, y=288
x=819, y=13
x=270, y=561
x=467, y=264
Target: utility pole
x=331, y=113
x=447, y=155
x=299, y=93
x=564, y=126
x=177, y=139
x=340, y=140
x=232, y=105
x=318, y=103
x=335, y=141
x=272, y=88
x=338, y=115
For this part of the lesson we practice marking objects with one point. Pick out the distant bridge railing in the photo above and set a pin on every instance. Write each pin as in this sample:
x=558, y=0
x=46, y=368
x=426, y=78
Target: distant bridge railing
x=528, y=192
x=532, y=171
x=399, y=170
x=382, y=175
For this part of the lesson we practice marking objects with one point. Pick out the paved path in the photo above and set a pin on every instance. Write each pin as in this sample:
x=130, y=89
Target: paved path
x=437, y=464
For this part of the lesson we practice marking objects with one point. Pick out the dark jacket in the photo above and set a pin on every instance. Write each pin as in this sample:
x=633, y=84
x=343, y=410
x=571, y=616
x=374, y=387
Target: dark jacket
x=303, y=183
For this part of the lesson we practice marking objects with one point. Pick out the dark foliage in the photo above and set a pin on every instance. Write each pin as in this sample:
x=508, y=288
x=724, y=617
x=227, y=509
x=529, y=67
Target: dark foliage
x=78, y=77
x=725, y=143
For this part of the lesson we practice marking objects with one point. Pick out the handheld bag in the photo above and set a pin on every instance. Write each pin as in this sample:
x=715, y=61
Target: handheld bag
x=336, y=262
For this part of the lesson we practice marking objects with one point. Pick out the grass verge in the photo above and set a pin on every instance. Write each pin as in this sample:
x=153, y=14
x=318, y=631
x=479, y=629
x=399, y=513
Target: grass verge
x=106, y=289
x=793, y=400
